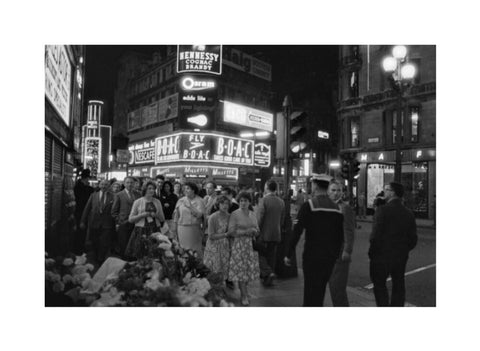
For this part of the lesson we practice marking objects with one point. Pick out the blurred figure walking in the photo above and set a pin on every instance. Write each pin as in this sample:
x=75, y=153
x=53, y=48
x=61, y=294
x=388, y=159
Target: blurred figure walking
x=270, y=217
x=339, y=278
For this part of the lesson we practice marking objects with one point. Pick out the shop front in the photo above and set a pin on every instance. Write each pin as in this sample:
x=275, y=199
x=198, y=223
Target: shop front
x=418, y=177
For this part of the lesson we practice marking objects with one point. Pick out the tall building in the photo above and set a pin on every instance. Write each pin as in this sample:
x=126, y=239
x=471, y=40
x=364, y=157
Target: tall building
x=131, y=65
x=64, y=85
x=199, y=111
x=367, y=115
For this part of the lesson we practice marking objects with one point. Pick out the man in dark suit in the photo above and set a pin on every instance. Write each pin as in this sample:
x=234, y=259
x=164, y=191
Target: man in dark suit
x=122, y=205
x=82, y=191
x=100, y=221
x=270, y=216
x=394, y=235
x=159, y=179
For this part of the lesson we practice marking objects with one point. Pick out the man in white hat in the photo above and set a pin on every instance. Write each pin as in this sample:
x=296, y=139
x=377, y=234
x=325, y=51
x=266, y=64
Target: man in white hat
x=322, y=220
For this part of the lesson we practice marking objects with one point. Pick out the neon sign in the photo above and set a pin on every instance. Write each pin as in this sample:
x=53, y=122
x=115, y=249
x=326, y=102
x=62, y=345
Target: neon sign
x=189, y=83
x=195, y=171
x=199, y=58
x=263, y=153
x=247, y=116
x=203, y=147
x=142, y=152
x=92, y=157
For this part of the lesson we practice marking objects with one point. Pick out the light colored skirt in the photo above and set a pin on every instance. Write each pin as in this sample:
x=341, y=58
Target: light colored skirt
x=190, y=237
x=170, y=233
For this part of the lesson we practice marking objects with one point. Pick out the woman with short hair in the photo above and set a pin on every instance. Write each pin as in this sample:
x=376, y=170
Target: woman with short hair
x=243, y=264
x=147, y=214
x=188, y=219
x=217, y=249
x=177, y=189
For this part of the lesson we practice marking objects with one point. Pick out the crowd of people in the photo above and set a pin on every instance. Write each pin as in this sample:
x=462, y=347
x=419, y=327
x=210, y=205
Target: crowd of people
x=237, y=232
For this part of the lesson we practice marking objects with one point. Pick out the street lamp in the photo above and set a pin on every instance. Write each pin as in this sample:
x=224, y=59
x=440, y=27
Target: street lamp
x=402, y=73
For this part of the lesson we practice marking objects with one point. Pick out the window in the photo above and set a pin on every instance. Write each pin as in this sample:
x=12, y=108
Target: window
x=355, y=51
x=414, y=122
x=394, y=127
x=353, y=84
x=355, y=132
x=154, y=80
x=416, y=63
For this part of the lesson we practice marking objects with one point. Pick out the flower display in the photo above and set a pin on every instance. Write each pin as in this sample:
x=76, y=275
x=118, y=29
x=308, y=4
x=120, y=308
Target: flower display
x=65, y=277
x=67, y=262
x=167, y=276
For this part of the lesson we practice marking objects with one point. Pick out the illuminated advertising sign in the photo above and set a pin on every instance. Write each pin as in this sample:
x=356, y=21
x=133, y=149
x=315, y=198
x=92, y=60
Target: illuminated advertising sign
x=161, y=110
x=197, y=84
x=123, y=156
x=139, y=172
x=263, y=155
x=142, y=152
x=247, y=116
x=92, y=155
x=58, y=75
x=198, y=97
x=199, y=58
x=246, y=63
x=193, y=171
x=323, y=135
x=196, y=117
x=203, y=147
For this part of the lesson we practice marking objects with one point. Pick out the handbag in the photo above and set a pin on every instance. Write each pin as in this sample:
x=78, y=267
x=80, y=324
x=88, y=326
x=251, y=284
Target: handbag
x=258, y=244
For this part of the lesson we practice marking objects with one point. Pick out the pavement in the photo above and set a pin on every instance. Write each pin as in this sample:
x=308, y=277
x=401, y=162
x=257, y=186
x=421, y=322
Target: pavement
x=421, y=223
x=289, y=293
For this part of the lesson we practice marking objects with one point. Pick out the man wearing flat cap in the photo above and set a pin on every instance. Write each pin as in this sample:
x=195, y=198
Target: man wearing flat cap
x=322, y=220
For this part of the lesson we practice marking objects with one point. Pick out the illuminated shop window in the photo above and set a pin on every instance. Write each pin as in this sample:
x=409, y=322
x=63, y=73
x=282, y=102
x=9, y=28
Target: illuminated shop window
x=353, y=84
x=355, y=132
x=414, y=119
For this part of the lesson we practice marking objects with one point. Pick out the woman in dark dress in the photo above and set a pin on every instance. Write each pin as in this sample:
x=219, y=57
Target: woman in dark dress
x=168, y=200
x=147, y=214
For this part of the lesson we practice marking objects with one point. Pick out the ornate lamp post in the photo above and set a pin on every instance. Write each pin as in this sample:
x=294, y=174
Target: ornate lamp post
x=402, y=73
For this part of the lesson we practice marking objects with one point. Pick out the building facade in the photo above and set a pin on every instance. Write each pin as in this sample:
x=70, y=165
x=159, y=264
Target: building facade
x=199, y=112
x=64, y=86
x=367, y=117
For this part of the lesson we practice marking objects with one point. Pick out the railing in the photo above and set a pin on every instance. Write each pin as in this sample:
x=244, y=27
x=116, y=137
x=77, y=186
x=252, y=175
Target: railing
x=426, y=88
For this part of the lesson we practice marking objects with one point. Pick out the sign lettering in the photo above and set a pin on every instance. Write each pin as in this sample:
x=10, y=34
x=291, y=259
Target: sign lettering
x=199, y=58
x=203, y=147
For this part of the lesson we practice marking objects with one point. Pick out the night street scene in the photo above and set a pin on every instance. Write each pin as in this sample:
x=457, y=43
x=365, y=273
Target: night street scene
x=240, y=175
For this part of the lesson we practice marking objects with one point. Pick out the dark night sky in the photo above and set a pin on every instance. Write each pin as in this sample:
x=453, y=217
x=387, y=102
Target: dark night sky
x=296, y=69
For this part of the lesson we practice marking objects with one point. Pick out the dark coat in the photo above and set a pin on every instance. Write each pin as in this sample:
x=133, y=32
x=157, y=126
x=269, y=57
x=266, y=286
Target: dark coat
x=394, y=232
x=322, y=220
x=82, y=194
x=99, y=215
x=270, y=216
x=122, y=205
x=171, y=200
